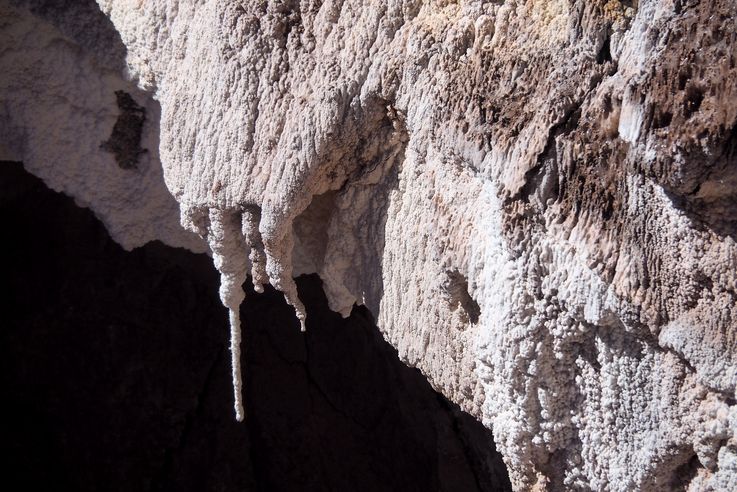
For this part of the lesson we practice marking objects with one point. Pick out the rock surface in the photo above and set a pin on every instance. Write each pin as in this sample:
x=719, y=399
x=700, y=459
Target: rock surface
x=536, y=200
x=117, y=379
x=63, y=100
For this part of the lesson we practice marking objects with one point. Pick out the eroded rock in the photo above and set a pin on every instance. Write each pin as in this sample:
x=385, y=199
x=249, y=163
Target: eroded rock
x=572, y=161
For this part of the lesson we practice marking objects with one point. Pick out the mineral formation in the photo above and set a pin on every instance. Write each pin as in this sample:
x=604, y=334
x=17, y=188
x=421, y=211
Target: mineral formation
x=536, y=199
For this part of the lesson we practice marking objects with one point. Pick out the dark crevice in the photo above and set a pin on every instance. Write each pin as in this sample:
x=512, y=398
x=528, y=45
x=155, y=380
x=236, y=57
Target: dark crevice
x=662, y=119
x=125, y=141
x=605, y=53
x=685, y=473
x=692, y=101
x=534, y=176
x=456, y=288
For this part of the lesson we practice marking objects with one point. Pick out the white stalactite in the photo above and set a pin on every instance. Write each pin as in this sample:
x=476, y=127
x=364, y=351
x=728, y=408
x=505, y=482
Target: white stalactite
x=235, y=362
x=250, y=220
x=229, y=254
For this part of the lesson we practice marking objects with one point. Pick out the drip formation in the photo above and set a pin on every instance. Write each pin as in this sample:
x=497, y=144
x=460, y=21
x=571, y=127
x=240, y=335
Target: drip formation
x=236, y=244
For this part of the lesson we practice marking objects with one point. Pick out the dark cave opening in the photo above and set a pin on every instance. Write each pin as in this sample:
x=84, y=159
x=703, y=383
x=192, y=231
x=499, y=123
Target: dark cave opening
x=115, y=375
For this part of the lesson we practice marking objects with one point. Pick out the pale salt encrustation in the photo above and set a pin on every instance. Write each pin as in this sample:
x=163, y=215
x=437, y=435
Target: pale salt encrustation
x=235, y=242
x=230, y=256
x=567, y=166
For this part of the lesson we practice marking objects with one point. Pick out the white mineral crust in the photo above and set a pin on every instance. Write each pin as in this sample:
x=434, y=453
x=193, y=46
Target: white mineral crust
x=535, y=199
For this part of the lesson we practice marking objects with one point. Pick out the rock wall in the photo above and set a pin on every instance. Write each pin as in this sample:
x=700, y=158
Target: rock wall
x=63, y=100
x=536, y=200
x=114, y=371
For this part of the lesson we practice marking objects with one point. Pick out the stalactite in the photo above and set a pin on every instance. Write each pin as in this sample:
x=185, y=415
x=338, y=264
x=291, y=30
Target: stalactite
x=235, y=363
x=279, y=270
x=236, y=242
x=229, y=254
x=250, y=220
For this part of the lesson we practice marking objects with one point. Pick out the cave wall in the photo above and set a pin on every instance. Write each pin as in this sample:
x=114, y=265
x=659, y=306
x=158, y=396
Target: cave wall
x=535, y=200
x=63, y=83
x=115, y=376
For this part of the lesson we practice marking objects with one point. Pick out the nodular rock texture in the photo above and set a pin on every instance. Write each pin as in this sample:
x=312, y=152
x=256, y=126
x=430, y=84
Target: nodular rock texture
x=536, y=200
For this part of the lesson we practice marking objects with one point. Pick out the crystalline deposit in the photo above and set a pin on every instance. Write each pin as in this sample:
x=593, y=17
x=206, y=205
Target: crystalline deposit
x=537, y=200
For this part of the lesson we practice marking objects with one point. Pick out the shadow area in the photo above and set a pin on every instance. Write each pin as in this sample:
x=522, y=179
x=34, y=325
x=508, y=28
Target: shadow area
x=84, y=23
x=707, y=190
x=352, y=416
x=115, y=374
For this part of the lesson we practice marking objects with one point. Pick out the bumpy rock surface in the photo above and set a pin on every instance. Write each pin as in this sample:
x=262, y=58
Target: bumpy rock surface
x=118, y=379
x=537, y=200
x=70, y=114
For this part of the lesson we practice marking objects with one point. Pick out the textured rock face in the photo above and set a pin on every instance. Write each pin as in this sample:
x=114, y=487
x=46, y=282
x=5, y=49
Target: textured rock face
x=97, y=396
x=537, y=201
x=68, y=112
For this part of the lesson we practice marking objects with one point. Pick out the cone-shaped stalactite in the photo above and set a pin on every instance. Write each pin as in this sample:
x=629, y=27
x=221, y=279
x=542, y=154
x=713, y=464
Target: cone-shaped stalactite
x=230, y=255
